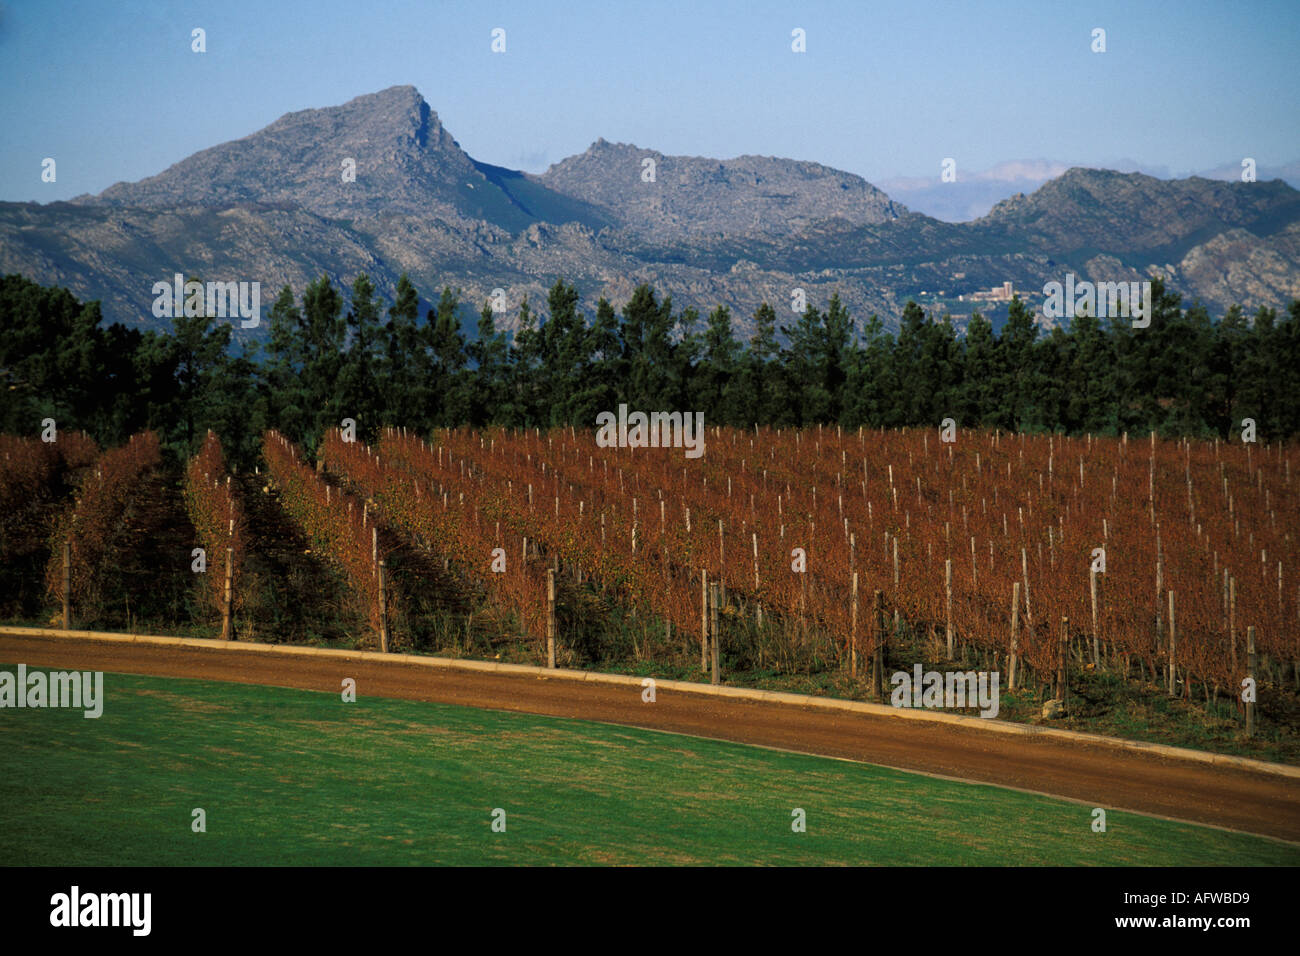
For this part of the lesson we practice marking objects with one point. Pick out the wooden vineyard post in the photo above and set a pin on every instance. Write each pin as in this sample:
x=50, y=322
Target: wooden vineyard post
x=383, y=606
x=853, y=633
x=1015, y=633
x=1232, y=615
x=1173, y=646
x=714, y=598
x=1062, y=656
x=1160, y=583
x=1250, y=673
x=948, y=605
x=550, y=618
x=878, y=655
x=704, y=620
x=722, y=564
x=803, y=603
x=67, y=584
x=1024, y=568
x=1092, y=587
x=1228, y=633
x=226, y=633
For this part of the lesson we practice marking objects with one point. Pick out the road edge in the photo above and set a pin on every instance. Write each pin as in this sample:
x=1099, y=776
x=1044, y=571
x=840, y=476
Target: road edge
x=988, y=725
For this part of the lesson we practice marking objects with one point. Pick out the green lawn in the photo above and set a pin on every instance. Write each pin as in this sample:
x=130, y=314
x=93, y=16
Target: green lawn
x=297, y=777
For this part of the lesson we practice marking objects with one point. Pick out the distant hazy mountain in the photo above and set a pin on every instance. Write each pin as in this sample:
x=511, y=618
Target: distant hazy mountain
x=274, y=207
x=972, y=194
x=1289, y=173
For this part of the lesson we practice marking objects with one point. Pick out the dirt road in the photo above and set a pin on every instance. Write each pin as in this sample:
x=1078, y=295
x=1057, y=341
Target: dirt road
x=1102, y=776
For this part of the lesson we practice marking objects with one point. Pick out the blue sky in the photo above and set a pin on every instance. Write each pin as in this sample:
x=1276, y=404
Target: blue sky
x=113, y=92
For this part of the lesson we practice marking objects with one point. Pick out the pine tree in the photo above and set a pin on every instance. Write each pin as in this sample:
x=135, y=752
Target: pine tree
x=647, y=350
x=804, y=365
x=362, y=390
x=406, y=361
x=869, y=390
x=323, y=337
x=716, y=379
x=978, y=393
x=490, y=401
x=451, y=398
x=835, y=358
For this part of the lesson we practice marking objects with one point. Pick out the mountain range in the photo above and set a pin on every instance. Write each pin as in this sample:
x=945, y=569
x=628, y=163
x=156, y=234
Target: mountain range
x=379, y=186
x=972, y=195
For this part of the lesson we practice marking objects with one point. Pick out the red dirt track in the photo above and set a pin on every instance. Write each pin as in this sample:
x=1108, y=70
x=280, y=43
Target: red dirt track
x=1101, y=776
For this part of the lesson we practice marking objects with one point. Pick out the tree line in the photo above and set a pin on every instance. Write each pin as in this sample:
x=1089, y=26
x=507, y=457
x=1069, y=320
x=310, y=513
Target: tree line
x=337, y=353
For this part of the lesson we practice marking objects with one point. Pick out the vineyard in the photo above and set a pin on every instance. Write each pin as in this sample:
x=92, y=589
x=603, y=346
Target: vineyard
x=218, y=517
x=35, y=477
x=1156, y=554
x=84, y=532
x=843, y=553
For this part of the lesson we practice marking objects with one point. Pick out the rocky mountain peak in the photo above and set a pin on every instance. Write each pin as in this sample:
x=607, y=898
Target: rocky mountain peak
x=379, y=153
